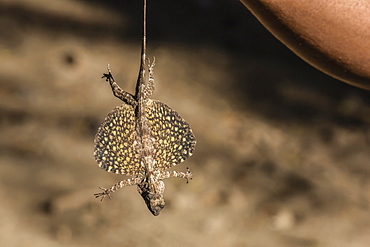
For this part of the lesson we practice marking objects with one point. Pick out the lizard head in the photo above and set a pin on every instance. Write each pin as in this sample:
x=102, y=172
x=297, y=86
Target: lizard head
x=152, y=193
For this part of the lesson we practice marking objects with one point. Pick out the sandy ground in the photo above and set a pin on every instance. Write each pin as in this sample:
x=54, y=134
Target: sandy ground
x=282, y=157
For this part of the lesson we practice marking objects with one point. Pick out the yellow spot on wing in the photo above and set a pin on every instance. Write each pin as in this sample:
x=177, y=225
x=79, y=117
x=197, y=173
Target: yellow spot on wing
x=114, y=148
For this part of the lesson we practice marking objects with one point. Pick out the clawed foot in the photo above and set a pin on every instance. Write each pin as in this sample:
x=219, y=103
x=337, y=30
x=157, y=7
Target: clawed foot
x=188, y=175
x=108, y=76
x=151, y=65
x=103, y=194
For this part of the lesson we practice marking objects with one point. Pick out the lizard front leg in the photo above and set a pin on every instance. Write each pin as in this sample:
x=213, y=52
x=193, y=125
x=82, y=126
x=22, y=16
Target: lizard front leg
x=117, y=186
x=175, y=174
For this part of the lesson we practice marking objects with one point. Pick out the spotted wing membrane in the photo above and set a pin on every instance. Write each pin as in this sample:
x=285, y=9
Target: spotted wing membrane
x=115, y=148
x=174, y=139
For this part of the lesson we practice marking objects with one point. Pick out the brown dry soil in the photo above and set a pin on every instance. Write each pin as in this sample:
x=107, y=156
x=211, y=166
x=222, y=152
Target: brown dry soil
x=282, y=157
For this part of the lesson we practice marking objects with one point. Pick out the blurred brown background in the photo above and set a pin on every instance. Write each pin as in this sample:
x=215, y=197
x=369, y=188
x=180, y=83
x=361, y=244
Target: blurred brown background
x=282, y=157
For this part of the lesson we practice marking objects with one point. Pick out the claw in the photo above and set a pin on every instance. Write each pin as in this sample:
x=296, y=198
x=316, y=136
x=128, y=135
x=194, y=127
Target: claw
x=108, y=76
x=151, y=64
x=189, y=175
x=103, y=194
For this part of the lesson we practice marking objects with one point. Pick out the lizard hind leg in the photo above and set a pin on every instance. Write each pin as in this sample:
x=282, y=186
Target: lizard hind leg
x=150, y=86
x=118, y=91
